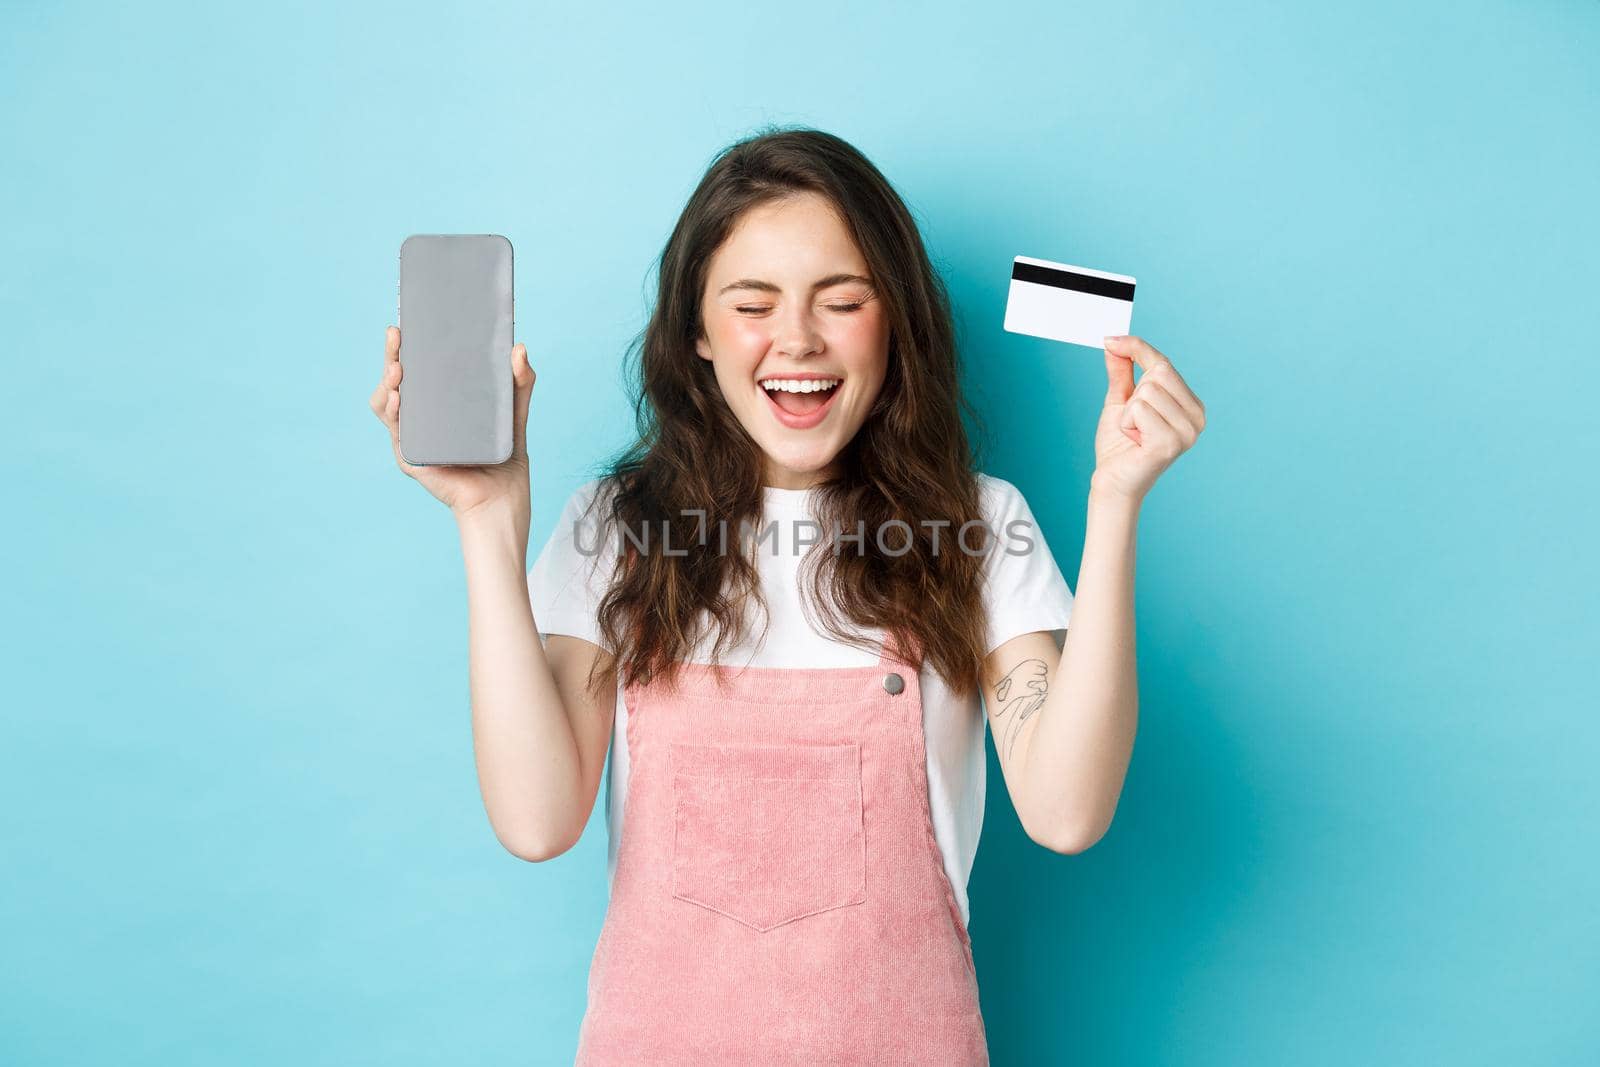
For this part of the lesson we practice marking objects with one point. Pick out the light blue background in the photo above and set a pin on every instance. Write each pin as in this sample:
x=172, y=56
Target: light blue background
x=241, y=822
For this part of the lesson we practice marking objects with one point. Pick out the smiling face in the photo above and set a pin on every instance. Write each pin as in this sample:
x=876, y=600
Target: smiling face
x=797, y=335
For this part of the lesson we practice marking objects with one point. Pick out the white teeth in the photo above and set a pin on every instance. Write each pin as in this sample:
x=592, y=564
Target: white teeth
x=806, y=385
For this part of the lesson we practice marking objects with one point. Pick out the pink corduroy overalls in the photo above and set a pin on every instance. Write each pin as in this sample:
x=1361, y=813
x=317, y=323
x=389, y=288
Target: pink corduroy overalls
x=779, y=897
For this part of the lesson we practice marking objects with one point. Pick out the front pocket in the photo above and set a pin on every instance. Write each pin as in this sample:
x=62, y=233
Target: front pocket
x=767, y=834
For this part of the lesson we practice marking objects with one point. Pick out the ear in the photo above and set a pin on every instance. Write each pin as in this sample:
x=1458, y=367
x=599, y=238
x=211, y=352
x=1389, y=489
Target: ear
x=703, y=347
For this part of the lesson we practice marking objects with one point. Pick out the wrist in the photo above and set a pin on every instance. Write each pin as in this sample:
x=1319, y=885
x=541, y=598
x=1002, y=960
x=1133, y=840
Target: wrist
x=498, y=523
x=494, y=512
x=1104, y=497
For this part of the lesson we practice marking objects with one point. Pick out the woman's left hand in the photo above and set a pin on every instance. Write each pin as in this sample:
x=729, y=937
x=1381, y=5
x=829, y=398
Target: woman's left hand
x=1142, y=429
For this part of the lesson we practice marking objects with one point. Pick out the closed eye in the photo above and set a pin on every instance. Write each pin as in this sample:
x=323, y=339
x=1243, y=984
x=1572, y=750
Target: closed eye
x=746, y=308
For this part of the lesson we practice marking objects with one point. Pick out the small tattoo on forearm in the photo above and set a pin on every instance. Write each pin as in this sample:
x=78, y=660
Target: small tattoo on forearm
x=1016, y=697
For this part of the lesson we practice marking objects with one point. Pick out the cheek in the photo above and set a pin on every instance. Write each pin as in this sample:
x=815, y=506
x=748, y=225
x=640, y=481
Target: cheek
x=866, y=341
x=745, y=334
x=740, y=346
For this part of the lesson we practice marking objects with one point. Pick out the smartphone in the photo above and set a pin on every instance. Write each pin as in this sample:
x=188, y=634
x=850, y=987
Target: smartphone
x=456, y=323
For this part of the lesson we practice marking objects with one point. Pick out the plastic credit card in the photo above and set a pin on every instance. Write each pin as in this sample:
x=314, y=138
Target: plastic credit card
x=1066, y=303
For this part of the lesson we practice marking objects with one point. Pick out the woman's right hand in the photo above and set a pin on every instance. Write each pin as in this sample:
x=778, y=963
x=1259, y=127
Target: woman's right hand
x=461, y=488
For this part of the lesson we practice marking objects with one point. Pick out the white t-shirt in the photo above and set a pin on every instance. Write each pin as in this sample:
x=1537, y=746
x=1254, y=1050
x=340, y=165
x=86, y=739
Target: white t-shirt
x=1024, y=591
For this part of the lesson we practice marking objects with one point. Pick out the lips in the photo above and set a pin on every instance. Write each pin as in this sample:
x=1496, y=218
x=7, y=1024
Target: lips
x=799, y=420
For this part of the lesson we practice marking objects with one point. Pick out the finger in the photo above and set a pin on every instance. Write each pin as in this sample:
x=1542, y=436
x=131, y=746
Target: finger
x=399, y=459
x=391, y=416
x=1127, y=424
x=1137, y=349
x=1151, y=392
x=391, y=344
x=1179, y=389
x=389, y=379
x=523, y=376
x=1155, y=432
x=390, y=410
x=1119, y=377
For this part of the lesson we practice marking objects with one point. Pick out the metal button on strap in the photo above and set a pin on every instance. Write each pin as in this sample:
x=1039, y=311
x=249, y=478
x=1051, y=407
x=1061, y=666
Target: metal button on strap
x=893, y=683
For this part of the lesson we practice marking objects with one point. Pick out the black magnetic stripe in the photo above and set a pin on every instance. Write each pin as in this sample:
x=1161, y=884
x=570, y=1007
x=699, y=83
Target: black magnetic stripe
x=1066, y=279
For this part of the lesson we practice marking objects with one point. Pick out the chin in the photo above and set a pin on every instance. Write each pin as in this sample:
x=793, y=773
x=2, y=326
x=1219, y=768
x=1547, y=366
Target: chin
x=802, y=460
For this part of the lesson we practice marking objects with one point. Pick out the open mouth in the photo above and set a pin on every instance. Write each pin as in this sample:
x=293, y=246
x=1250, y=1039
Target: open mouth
x=800, y=403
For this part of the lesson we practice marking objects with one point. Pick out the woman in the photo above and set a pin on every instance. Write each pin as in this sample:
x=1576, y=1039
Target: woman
x=799, y=805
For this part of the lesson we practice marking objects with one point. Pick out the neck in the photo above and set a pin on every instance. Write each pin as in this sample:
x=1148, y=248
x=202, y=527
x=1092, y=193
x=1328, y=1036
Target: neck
x=782, y=478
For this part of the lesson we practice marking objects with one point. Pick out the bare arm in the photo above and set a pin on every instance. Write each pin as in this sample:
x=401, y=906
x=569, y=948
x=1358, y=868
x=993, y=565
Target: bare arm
x=1064, y=719
x=539, y=737
x=1064, y=723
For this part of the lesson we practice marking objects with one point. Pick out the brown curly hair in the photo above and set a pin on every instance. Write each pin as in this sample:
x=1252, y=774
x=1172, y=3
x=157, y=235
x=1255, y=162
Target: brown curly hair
x=910, y=461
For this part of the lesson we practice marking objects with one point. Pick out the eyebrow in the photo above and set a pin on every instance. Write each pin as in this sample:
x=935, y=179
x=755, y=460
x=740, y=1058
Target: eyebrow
x=768, y=287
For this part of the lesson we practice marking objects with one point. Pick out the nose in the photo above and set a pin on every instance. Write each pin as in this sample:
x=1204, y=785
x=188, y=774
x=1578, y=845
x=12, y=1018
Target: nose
x=797, y=334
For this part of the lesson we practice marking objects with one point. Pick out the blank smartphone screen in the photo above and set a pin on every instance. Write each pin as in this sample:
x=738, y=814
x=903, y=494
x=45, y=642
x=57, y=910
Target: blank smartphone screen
x=455, y=319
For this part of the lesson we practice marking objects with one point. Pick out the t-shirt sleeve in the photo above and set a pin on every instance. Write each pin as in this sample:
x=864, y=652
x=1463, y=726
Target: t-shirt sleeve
x=1024, y=590
x=571, y=573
